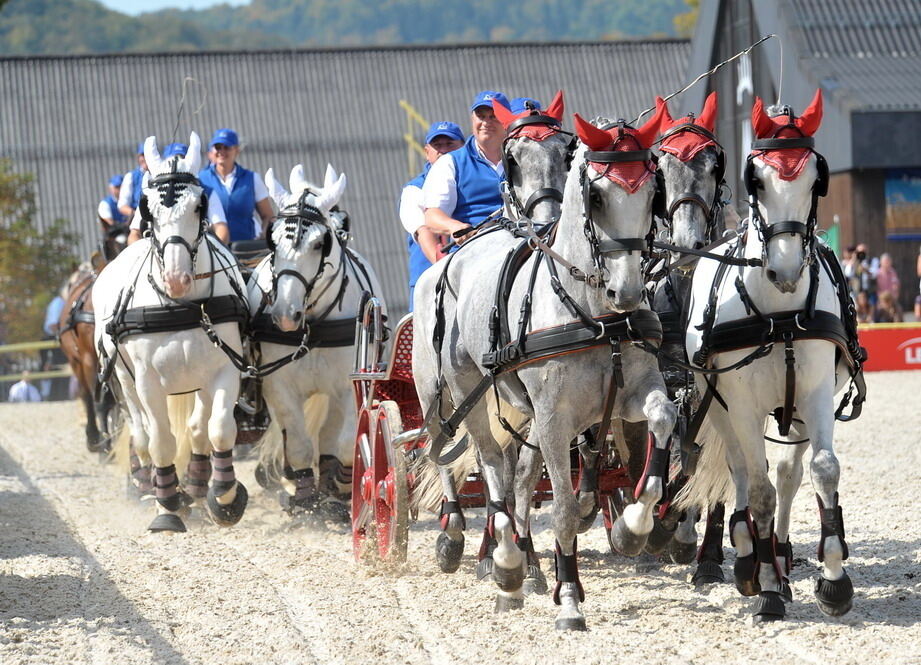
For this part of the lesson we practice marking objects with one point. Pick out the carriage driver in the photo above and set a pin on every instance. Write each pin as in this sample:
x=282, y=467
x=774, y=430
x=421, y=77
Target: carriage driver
x=242, y=194
x=129, y=193
x=108, y=211
x=424, y=244
x=463, y=189
x=216, y=219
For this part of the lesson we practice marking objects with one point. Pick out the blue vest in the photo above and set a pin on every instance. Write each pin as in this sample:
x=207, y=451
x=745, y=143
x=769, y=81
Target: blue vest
x=137, y=178
x=239, y=203
x=113, y=209
x=478, y=192
x=417, y=261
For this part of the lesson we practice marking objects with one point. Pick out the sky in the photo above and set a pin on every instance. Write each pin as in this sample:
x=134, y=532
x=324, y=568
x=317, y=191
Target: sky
x=135, y=7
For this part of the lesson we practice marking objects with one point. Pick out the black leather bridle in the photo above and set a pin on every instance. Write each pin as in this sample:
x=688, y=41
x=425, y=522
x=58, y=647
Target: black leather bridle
x=171, y=185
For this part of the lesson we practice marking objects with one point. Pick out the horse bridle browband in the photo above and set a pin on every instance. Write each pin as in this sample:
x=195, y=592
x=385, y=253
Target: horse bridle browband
x=171, y=185
x=524, y=210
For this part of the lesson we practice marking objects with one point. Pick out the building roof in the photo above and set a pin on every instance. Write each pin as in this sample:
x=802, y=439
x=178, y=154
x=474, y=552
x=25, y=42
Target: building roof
x=75, y=121
x=865, y=50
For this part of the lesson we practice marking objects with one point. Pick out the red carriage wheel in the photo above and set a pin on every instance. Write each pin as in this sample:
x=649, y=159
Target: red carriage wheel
x=391, y=506
x=364, y=484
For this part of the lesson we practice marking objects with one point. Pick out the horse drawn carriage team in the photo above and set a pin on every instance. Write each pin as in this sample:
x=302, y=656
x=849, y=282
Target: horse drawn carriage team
x=585, y=328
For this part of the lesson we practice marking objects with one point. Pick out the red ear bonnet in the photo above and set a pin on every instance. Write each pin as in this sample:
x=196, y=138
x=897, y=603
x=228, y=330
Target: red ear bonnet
x=555, y=110
x=789, y=162
x=629, y=175
x=503, y=115
x=538, y=132
x=685, y=145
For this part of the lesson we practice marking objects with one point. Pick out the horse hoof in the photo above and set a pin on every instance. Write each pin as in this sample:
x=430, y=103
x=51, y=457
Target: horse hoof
x=570, y=623
x=94, y=445
x=834, y=597
x=770, y=607
x=508, y=579
x=659, y=537
x=708, y=572
x=623, y=541
x=586, y=521
x=786, y=592
x=744, y=572
x=448, y=553
x=265, y=479
x=680, y=552
x=167, y=522
x=505, y=603
x=231, y=513
x=484, y=568
x=535, y=582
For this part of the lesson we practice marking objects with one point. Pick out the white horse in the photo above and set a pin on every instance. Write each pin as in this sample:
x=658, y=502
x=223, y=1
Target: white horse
x=790, y=318
x=606, y=216
x=304, y=298
x=150, y=304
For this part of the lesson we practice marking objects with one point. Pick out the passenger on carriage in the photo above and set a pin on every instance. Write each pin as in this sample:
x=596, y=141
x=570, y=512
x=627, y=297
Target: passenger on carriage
x=217, y=222
x=244, y=197
x=108, y=211
x=424, y=245
x=129, y=193
x=463, y=189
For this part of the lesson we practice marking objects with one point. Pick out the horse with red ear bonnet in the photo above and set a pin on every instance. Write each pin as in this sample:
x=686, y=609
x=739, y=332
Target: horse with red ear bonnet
x=592, y=273
x=782, y=332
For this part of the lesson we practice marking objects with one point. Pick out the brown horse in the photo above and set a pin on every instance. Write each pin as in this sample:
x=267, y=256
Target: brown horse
x=76, y=337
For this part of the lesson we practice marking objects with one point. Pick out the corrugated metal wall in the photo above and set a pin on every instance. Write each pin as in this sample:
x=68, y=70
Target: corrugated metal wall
x=75, y=121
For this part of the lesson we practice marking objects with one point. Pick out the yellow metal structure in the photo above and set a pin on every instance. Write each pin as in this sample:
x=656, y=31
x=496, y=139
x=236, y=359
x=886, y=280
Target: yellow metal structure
x=414, y=121
x=24, y=347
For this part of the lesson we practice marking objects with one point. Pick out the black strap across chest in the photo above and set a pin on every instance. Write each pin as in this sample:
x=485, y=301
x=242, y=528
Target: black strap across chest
x=322, y=334
x=172, y=317
x=751, y=331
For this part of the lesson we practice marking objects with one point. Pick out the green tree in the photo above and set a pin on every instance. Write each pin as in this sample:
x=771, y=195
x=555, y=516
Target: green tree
x=684, y=23
x=33, y=263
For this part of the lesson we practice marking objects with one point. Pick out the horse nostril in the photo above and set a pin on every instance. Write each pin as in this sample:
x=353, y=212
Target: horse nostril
x=297, y=317
x=611, y=293
x=698, y=245
x=772, y=275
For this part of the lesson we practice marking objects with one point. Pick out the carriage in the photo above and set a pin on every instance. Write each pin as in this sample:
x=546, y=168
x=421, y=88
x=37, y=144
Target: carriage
x=390, y=438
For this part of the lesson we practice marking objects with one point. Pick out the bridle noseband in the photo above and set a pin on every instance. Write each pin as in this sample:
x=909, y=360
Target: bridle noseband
x=524, y=211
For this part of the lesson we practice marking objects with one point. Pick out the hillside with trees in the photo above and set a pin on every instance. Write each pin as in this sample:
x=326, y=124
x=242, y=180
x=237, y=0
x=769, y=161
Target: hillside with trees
x=86, y=26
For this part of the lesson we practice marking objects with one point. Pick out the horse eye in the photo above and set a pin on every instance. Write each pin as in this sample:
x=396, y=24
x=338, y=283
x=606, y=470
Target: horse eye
x=595, y=199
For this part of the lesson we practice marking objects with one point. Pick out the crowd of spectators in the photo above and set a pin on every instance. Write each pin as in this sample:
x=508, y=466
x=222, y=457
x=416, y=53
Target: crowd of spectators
x=875, y=286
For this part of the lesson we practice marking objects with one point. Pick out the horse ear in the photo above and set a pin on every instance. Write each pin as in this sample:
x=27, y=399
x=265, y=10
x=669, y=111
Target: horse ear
x=761, y=123
x=152, y=155
x=646, y=134
x=594, y=138
x=330, y=177
x=555, y=110
x=331, y=194
x=662, y=108
x=503, y=115
x=192, y=160
x=276, y=190
x=707, y=118
x=808, y=123
x=296, y=182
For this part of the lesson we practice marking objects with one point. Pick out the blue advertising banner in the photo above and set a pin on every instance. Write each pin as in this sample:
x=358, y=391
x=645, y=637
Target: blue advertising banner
x=903, y=204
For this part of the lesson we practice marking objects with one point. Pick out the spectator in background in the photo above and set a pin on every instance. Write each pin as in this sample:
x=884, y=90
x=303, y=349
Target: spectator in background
x=108, y=211
x=24, y=391
x=887, y=280
x=888, y=310
x=864, y=308
x=51, y=328
x=244, y=197
x=129, y=194
x=424, y=244
x=918, y=297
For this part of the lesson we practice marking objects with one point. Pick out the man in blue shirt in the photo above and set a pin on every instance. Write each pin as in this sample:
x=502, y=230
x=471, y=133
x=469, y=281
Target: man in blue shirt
x=129, y=194
x=108, y=211
x=241, y=193
x=423, y=244
x=463, y=189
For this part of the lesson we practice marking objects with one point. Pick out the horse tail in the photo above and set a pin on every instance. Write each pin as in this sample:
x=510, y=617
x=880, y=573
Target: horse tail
x=120, y=454
x=428, y=488
x=179, y=408
x=712, y=483
x=272, y=447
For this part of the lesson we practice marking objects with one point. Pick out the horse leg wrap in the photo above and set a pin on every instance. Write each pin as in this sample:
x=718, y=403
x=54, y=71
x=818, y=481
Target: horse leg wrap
x=305, y=486
x=711, y=548
x=141, y=475
x=745, y=569
x=567, y=570
x=197, y=475
x=449, y=508
x=223, y=476
x=656, y=465
x=766, y=549
x=167, y=488
x=329, y=464
x=786, y=551
x=535, y=582
x=488, y=544
x=832, y=525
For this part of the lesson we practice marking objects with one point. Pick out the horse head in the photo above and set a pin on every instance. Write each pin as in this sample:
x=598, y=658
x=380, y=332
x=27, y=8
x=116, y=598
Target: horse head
x=784, y=177
x=536, y=155
x=301, y=240
x=617, y=184
x=173, y=206
x=692, y=164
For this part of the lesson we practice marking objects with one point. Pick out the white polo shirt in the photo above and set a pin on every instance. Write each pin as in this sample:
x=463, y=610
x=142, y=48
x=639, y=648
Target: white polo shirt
x=440, y=187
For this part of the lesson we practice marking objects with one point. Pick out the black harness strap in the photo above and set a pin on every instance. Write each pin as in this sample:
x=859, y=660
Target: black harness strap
x=173, y=317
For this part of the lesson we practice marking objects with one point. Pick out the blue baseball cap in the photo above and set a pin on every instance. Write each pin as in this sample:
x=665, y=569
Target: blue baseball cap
x=520, y=105
x=141, y=148
x=116, y=180
x=486, y=98
x=224, y=137
x=444, y=128
x=175, y=149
